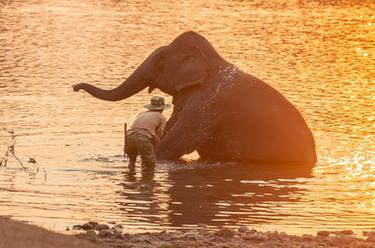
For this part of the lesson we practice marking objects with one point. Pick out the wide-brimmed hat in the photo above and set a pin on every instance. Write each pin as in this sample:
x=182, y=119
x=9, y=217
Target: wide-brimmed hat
x=157, y=103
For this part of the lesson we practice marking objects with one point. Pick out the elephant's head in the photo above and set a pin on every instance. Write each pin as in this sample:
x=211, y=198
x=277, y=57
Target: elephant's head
x=186, y=62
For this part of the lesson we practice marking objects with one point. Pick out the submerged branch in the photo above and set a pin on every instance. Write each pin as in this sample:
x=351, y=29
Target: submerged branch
x=11, y=153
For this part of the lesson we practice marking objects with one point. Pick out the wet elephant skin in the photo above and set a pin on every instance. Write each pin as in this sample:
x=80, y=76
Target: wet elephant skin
x=220, y=111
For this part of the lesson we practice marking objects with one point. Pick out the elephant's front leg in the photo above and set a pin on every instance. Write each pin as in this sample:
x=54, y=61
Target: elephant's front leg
x=189, y=131
x=178, y=105
x=171, y=121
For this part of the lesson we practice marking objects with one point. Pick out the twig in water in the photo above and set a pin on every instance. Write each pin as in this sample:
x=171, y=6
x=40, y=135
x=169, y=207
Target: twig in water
x=45, y=174
x=11, y=152
x=32, y=161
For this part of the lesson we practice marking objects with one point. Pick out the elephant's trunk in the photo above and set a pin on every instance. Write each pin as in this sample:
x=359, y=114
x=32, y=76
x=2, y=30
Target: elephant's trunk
x=136, y=82
x=128, y=88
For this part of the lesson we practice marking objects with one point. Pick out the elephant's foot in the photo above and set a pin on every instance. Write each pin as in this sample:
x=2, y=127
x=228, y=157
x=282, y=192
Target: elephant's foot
x=131, y=165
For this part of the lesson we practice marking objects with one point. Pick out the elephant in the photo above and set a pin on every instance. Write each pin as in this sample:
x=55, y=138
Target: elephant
x=219, y=111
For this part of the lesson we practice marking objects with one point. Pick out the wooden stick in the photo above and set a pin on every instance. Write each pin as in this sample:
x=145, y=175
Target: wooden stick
x=125, y=132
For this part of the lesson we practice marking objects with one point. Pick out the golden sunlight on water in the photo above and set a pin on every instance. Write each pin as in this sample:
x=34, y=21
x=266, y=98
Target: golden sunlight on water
x=320, y=54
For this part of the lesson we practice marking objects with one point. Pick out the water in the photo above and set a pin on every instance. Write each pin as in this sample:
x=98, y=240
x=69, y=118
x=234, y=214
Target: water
x=320, y=54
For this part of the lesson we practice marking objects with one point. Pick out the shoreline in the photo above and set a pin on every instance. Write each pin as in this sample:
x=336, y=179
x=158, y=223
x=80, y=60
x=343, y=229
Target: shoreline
x=15, y=234
x=224, y=237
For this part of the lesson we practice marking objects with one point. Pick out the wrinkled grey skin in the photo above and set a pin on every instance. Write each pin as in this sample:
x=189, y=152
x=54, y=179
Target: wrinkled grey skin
x=220, y=111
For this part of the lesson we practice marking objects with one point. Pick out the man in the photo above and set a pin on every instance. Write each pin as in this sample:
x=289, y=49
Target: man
x=144, y=135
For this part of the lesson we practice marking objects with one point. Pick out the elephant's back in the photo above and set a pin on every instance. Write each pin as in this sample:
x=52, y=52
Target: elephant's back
x=260, y=124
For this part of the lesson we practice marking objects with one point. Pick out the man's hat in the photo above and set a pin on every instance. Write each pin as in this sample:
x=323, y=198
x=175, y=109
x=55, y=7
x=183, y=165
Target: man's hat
x=157, y=103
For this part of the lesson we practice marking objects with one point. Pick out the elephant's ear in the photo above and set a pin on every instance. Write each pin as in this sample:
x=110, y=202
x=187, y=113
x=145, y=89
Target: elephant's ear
x=193, y=69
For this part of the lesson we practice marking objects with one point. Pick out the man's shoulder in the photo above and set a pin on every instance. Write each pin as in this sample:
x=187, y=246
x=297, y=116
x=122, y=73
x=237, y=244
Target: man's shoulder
x=142, y=113
x=159, y=115
x=154, y=114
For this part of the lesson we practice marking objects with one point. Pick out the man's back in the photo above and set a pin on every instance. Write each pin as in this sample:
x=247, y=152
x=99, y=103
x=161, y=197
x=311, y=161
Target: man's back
x=152, y=121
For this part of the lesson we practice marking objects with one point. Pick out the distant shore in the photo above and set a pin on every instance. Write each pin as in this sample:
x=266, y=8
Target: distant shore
x=15, y=234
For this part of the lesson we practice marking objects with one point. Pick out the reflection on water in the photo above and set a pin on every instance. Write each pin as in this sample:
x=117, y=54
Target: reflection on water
x=320, y=54
x=231, y=195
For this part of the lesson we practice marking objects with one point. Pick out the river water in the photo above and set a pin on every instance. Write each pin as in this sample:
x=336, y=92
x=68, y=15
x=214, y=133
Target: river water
x=319, y=54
